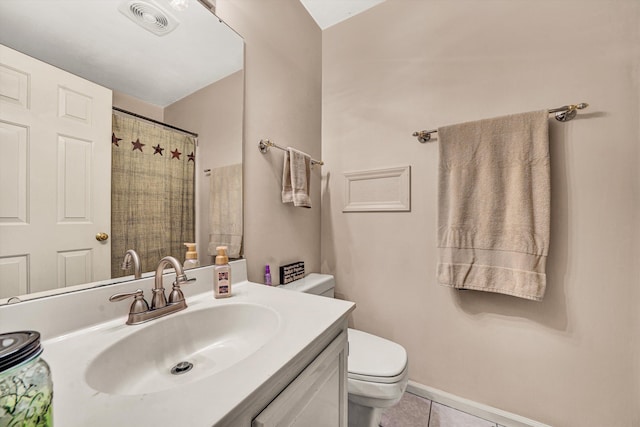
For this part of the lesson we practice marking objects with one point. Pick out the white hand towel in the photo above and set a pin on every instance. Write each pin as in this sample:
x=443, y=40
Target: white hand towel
x=494, y=205
x=296, y=176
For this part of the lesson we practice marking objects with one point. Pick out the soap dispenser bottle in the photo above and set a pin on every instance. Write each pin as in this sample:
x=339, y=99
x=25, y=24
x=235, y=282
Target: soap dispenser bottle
x=191, y=257
x=222, y=274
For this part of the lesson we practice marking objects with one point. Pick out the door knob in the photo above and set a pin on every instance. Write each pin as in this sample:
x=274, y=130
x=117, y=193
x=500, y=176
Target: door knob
x=101, y=237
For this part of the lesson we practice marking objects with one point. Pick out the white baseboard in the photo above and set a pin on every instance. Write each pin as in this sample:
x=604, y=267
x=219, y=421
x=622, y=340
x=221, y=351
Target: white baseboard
x=489, y=413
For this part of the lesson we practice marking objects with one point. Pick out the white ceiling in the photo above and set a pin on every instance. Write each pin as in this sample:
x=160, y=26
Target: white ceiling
x=92, y=39
x=329, y=12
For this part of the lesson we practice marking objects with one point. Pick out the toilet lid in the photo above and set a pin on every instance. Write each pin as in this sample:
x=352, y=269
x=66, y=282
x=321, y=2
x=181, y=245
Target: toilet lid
x=375, y=359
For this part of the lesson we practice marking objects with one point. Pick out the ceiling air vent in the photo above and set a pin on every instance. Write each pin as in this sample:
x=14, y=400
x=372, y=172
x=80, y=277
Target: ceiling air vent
x=149, y=16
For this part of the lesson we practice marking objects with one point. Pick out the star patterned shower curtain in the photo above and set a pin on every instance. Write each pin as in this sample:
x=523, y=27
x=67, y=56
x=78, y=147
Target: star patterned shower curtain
x=152, y=192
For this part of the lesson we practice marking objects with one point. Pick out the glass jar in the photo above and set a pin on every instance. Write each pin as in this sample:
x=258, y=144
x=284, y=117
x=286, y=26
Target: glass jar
x=26, y=390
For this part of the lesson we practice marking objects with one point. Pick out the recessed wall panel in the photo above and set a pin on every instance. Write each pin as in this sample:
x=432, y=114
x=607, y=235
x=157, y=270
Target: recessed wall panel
x=74, y=105
x=14, y=169
x=74, y=267
x=374, y=190
x=74, y=179
x=378, y=190
x=14, y=276
x=14, y=86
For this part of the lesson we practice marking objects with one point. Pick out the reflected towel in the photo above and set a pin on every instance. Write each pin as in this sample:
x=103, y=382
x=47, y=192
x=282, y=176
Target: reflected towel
x=225, y=210
x=296, y=175
x=494, y=205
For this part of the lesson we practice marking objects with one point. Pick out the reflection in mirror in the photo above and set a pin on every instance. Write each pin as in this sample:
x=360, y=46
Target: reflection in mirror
x=151, y=184
x=180, y=73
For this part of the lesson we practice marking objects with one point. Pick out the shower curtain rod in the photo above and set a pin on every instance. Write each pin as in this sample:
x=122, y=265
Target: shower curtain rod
x=563, y=114
x=195, y=135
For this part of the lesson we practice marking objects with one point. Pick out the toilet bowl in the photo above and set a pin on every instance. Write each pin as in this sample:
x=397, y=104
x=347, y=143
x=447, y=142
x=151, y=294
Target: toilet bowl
x=377, y=368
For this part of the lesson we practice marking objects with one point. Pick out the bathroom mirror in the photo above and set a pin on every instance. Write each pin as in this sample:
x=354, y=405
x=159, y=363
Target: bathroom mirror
x=172, y=61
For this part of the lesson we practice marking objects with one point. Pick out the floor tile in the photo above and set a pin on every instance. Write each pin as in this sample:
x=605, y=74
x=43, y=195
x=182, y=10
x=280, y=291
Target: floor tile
x=411, y=411
x=443, y=416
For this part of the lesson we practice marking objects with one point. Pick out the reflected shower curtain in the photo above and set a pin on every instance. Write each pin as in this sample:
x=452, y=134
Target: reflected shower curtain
x=152, y=192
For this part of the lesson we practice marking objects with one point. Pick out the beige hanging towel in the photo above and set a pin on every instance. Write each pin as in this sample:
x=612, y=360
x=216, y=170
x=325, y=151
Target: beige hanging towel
x=296, y=175
x=225, y=210
x=494, y=205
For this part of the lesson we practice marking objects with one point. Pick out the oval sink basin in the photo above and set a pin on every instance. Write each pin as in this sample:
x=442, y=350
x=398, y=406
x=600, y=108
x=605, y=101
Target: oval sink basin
x=208, y=340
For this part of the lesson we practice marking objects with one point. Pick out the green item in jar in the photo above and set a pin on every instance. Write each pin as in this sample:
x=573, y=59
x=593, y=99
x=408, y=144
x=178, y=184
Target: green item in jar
x=26, y=389
x=24, y=405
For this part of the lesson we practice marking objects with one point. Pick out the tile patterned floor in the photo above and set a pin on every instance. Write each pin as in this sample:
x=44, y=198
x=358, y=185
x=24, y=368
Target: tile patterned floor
x=415, y=411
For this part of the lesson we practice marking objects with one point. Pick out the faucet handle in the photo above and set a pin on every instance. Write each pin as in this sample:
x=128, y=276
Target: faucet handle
x=176, y=294
x=139, y=304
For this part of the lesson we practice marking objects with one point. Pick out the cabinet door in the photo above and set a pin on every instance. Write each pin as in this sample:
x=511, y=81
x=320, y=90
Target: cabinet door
x=317, y=397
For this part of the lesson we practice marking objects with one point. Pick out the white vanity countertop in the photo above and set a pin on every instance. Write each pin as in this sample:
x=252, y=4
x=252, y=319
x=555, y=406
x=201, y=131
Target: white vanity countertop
x=303, y=318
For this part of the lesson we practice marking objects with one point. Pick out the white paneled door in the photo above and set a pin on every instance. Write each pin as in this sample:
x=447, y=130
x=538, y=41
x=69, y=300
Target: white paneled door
x=55, y=169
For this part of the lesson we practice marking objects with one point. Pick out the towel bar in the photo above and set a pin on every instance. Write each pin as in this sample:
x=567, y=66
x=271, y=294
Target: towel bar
x=264, y=145
x=563, y=114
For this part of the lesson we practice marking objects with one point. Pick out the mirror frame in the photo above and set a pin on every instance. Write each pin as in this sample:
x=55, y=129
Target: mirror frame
x=123, y=279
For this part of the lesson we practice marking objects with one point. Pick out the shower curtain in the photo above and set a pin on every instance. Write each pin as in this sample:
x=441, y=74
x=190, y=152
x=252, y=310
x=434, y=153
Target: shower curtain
x=152, y=192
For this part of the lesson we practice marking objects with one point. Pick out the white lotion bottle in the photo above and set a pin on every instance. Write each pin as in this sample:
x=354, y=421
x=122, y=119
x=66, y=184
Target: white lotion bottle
x=222, y=274
x=191, y=257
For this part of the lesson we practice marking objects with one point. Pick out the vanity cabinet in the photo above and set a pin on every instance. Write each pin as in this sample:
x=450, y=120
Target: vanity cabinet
x=317, y=397
x=297, y=378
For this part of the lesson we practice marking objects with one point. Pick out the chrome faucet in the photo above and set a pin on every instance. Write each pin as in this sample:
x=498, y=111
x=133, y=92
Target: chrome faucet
x=130, y=256
x=141, y=312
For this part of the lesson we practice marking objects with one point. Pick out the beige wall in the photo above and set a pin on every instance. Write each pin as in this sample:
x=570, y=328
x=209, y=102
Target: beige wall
x=134, y=105
x=405, y=65
x=215, y=114
x=283, y=103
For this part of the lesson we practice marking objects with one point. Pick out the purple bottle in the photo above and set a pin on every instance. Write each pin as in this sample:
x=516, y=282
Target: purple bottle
x=267, y=275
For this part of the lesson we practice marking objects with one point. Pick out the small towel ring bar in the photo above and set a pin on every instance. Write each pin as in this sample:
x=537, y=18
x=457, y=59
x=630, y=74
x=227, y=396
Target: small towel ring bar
x=563, y=114
x=264, y=145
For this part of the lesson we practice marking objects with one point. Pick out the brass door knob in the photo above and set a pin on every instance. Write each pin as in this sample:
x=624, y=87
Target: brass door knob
x=101, y=237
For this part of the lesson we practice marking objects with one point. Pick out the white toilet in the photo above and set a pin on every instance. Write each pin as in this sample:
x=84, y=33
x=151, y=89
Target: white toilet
x=378, y=372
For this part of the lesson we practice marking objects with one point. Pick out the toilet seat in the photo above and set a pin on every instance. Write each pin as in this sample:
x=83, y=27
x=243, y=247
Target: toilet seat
x=375, y=359
x=377, y=371
x=376, y=394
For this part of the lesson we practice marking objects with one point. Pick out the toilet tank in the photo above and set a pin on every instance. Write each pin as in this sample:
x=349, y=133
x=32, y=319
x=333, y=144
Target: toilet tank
x=314, y=283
